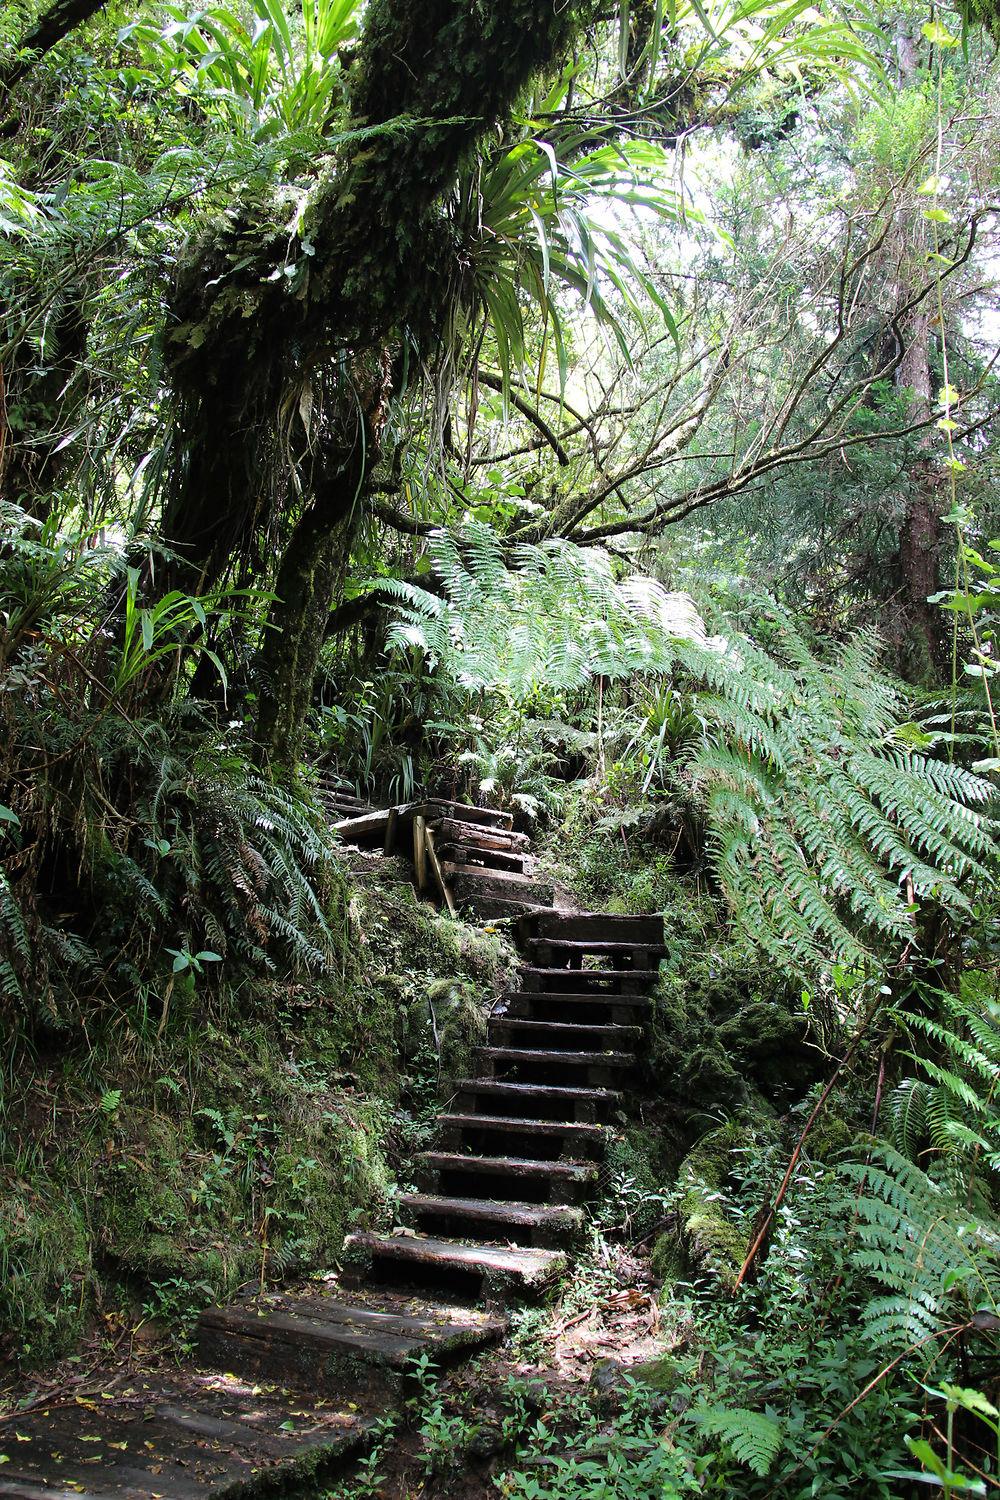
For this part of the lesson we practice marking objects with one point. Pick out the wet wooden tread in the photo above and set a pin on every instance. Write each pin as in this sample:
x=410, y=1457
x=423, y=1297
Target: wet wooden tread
x=493, y=1211
x=179, y=1437
x=558, y=1059
x=581, y=1132
x=580, y=1031
x=384, y=1336
x=527, y=1267
x=514, y=1166
x=528, y=1093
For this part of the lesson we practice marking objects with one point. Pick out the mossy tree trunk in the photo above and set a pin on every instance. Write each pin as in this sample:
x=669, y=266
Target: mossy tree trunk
x=257, y=315
x=314, y=563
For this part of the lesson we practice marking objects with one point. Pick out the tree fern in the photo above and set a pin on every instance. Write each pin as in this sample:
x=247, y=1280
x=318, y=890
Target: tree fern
x=951, y=1113
x=934, y=1256
x=754, y=1438
x=830, y=821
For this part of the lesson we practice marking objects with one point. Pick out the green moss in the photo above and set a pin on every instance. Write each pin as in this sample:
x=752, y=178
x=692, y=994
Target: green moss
x=705, y=1239
x=46, y=1276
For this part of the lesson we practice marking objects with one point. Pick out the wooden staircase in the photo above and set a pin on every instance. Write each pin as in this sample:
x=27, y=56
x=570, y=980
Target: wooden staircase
x=470, y=857
x=501, y=1197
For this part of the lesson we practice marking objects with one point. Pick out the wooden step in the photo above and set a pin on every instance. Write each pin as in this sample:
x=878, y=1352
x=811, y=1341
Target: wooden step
x=494, y=1266
x=523, y=1178
x=535, y=1065
x=550, y=951
x=451, y=831
x=176, y=1434
x=489, y=817
x=316, y=1339
x=559, y=1102
x=588, y=1009
x=563, y=1138
x=470, y=857
x=587, y=981
x=596, y=926
x=504, y=909
x=470, y=883
x=511, y=1031
x=542, y=1225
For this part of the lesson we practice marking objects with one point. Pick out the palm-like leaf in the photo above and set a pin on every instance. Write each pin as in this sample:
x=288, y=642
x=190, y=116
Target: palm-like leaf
x=549, y=214
x=258, y=75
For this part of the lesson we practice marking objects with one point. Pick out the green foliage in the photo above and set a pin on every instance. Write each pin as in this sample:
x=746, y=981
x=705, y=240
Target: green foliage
x=954, y=1272
x=582, y=1455
x=951, y=1112
x=754, y=1437
x=831, y=829
x=264, y=77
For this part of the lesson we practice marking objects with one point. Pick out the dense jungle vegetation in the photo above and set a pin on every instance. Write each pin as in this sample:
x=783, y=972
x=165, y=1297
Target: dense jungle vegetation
x=588, y=410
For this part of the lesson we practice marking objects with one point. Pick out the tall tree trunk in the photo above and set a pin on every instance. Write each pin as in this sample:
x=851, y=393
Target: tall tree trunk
x=919, y=537
x=314, y=564
x=918, y=553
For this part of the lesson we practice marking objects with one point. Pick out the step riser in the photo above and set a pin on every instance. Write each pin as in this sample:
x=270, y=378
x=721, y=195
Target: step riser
x=554, y=1191
x=534, y=1236
x=583, y=1010
x=566, y=1069
x=468, y=858
x=548, y=955
x=596, y=982
x=575, y=1075
x=586, y=927
x=561, y=1143
x=473, y=1100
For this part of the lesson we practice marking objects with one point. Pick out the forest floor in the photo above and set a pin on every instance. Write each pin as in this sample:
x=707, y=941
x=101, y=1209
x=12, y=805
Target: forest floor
x=444, y=1439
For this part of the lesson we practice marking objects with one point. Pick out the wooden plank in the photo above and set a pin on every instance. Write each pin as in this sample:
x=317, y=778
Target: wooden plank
x=459, y=832
x=471, y=858
x=436, y=866
x=367, y=829
x=601, y=926
x=420, y=852
x=389, y=843
x=527, y=1267
x=439, y=807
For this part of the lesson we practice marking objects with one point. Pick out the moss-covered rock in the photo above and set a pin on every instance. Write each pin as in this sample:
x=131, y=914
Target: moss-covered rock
x=704, y=1237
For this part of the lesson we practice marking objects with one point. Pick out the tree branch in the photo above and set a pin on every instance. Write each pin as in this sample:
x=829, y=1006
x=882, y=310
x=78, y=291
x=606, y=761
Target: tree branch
x=495, y=383
x=50, y=28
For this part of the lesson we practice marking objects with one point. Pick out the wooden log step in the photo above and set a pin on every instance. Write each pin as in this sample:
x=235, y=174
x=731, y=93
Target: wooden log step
x=590, y=1009
x=525, y=1268
x=562, y=1138
x=558, y=1060
x=454, y=832
x=593, y=926
x=489, y=817
x=480, y=888
x=472, y=857
x=515, y=1166
x=587, y=981
x=365, y=828
x=642, y=955
x=507, y=1031
x=546, y=1066
x=321, y=1339
x=558, y=1102
x=179, y=1435
x=545, y=1226
x=517, y=1177
x=503, y=908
